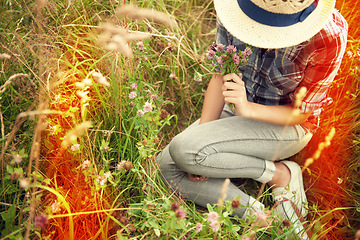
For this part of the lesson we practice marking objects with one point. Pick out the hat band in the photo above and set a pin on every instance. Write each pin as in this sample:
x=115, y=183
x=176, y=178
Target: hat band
x=274, y=19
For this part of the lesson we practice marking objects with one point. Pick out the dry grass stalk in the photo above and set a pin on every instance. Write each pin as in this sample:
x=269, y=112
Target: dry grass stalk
x=320, y=148
x=116, y=38
x=4, y=56
x=3, y=87
x=136, y=13
x=75, y=133
x=223, y=192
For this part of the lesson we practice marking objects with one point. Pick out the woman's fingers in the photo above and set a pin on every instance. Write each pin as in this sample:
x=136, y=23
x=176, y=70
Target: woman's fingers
x=232, y=77
x=196, y=178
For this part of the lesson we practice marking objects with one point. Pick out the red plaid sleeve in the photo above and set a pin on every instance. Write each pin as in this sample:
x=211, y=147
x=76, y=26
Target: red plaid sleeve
x=328, y=49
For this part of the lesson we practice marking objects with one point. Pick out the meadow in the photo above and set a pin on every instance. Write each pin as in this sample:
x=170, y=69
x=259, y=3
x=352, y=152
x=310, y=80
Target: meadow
x=92, y=91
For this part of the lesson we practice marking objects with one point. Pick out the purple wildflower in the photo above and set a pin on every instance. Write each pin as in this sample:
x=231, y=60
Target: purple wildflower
x=41, y=221
x=231, y=49
x=219, y=47
x=236, y=59
x=210, y=54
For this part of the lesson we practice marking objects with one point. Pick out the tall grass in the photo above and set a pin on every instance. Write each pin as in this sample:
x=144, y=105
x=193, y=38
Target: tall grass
x=78, y=155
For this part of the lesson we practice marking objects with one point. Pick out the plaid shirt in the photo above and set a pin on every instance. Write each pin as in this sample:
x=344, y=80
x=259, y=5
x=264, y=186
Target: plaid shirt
x=273, y=76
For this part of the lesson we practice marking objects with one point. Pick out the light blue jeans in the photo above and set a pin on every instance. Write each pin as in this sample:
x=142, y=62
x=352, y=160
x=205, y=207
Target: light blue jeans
x=231, y=147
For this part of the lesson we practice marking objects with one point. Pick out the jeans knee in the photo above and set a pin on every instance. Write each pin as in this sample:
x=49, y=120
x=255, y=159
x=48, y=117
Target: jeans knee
x=183, y=152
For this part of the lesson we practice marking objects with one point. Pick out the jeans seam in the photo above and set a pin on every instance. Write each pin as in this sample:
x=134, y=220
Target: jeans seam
x=200, y=150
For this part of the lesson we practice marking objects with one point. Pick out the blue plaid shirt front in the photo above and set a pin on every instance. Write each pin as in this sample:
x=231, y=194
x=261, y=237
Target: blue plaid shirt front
x=273, y=76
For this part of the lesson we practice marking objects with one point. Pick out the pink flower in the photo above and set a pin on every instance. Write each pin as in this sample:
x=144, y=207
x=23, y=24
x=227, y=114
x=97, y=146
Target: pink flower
x=260, y=215
x=172, y=76
x=198, y=227
x=56, y=207
x=147, y=107
x=219, y=47
x=85, y=165
x=210, y=54
x=231, y=49
x=236, y=59
x=132, y=95
x=154, y=97
x=180, y=213
x=248, y=51
x=120, y=165
x=133, y=86
x=41, y=221
x=213, y=216
x=215, y=225
x=140, y=113
x=131, y=104
x=220, y=60
x=75, y=147
x=140, y=45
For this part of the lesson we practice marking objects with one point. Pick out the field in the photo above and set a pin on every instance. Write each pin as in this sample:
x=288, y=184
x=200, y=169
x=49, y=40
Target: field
x=92, y=91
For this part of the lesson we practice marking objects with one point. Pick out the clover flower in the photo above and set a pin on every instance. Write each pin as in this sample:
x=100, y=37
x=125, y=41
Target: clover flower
x=75, y=147
x=210, y=54
x=260, y=215
x=140, y=45
x=85, y=165
x=120, y=165
x=154, y=97
x=102, y=180
x=235, y=203
x=247, y=51
x=24, y=183
x=56, y=207
x=220, y=60
x=140, y=113
x=215, y=226
x=219, y=47
x=198, y=227
x=231, y=49
x=132, y=95
x=172, y=76
x=41, y=221
x=147, y=107
x=133, y=86
x=17, y=158
x=213, y=216
x=180, y=213
x=236, y=59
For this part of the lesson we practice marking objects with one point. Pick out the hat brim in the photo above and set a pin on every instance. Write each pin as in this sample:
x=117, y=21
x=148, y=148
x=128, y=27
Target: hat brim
x=264, y=36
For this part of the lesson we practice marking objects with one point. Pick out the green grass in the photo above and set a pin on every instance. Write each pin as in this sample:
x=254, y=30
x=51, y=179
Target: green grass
x=57, y=47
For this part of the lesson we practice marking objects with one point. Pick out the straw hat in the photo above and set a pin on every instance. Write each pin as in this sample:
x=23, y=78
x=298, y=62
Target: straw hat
x=274, y=23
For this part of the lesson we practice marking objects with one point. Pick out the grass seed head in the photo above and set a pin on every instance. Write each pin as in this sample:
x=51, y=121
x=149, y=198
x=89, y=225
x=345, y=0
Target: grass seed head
x=137, y=13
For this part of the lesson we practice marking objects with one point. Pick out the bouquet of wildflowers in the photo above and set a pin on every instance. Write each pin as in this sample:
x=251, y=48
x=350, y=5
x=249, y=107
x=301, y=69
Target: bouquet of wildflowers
x=227, y=59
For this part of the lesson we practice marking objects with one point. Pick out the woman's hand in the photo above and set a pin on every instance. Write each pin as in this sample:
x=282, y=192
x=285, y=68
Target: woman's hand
x=234, y=92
